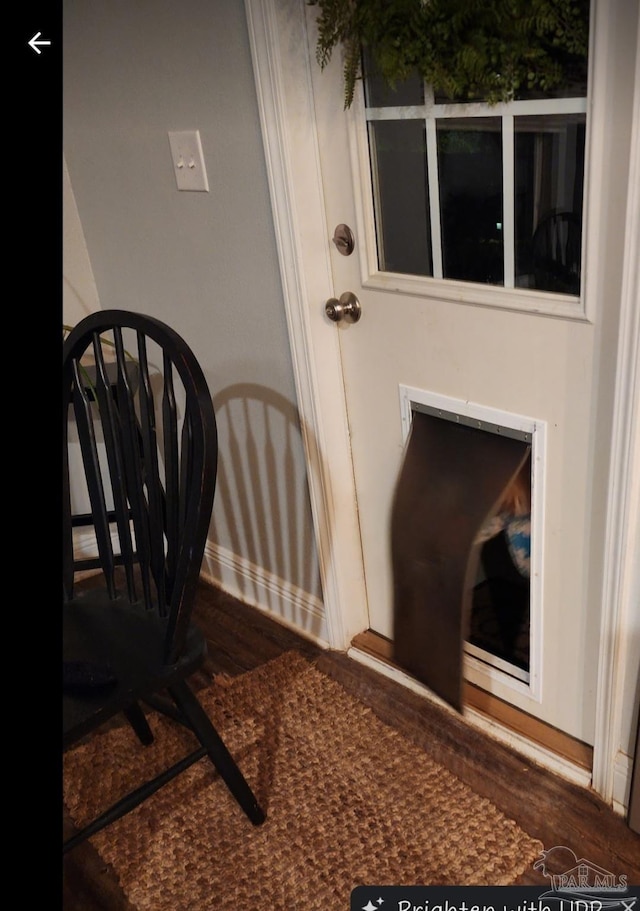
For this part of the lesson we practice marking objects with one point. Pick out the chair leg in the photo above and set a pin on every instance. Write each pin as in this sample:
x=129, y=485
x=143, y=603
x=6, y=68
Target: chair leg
x=220, y=756
x=137, y=719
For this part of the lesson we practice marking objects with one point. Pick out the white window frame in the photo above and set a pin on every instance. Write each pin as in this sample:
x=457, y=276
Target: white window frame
x=506, y=296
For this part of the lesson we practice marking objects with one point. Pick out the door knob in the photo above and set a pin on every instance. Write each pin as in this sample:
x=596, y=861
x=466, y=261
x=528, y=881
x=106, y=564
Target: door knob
x=347, y=308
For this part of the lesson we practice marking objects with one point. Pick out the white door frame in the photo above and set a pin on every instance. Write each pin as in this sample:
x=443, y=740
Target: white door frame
x=292, y=159
x=620, y=623
x=291, y=151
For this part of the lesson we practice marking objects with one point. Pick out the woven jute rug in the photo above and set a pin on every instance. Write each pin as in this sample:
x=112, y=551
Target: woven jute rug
x=349, y=802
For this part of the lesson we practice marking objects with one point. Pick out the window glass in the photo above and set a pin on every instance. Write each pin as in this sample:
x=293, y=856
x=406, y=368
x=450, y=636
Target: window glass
x=549, y=177
x=479, y=193
x=399, y=171
x=379, y=95
x=575, y=85
x=470, y=185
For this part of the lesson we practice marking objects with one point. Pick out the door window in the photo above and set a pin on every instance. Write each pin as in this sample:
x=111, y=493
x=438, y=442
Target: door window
x=491, y=194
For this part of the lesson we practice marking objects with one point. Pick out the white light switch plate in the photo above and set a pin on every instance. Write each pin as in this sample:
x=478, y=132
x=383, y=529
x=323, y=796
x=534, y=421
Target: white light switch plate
x=188, y=160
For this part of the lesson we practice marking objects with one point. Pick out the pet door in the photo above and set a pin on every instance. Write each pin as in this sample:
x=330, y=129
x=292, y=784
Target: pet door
x=461, y=546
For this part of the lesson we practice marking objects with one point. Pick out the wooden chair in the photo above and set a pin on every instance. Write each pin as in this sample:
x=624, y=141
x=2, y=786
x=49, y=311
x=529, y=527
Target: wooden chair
x=137, y=407
x=556, y=253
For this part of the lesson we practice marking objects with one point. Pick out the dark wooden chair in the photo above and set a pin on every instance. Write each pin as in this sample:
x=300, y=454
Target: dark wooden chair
x=557, y=253
x=137, y=407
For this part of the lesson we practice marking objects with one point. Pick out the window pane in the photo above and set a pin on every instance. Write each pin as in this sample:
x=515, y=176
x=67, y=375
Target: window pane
x=549, y=178
x=574, y=86
x=401, y=198
x=470, y=181
x=379, y=95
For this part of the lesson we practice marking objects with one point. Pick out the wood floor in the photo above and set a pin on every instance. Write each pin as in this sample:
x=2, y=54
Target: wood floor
x=558, y=813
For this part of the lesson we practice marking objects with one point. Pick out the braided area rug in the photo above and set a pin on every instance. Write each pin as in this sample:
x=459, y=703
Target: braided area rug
x=349, y=801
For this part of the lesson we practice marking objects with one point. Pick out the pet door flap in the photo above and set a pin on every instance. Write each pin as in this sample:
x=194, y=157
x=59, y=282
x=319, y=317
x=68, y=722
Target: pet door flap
x=452, y=479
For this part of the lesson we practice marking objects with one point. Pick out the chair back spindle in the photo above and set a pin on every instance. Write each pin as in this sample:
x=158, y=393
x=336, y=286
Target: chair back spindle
x=148, y=443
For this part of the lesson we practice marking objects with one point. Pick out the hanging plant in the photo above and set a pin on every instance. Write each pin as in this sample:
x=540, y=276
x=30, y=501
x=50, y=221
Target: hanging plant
x=471, y=49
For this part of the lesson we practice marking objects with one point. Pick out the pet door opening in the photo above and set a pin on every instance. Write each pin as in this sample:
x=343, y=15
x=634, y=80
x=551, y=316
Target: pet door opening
x=491, y=463
x=501, y=601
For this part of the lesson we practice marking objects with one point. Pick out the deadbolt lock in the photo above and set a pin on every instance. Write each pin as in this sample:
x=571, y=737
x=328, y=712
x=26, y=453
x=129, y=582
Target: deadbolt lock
x=344, y=240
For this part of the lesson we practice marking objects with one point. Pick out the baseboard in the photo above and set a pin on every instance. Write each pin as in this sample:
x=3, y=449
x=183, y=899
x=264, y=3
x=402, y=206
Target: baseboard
x=84, y=542
x=251, y=584
x=85, y=547
x=622, y=774
x=259, y=588
x=534, y=739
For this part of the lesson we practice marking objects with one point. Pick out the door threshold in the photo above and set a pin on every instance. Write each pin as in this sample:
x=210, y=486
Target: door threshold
x=496, y=712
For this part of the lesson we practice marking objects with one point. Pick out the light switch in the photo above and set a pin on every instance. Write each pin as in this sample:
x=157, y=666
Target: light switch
x=188, y=160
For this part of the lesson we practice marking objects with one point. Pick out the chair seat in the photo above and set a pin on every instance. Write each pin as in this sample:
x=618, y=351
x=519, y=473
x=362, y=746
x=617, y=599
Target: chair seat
x=128, y=640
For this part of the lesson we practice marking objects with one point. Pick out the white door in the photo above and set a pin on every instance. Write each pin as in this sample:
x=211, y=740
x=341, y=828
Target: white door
x=541, y=362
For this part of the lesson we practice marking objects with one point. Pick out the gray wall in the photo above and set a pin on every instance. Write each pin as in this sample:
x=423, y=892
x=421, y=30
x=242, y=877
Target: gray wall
x=206, y=263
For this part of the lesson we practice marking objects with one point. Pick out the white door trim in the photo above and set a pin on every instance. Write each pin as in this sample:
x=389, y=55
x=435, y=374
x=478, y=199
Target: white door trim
x=621, y=583
x=288, y=127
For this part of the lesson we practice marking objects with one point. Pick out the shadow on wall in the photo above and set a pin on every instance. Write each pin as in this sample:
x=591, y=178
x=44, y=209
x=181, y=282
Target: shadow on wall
x=262, y=524
x=75, y=307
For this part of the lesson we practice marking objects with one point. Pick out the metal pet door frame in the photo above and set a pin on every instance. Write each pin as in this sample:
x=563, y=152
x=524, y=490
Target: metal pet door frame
x=481, y=667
